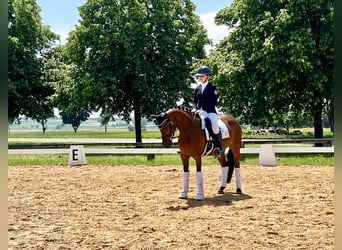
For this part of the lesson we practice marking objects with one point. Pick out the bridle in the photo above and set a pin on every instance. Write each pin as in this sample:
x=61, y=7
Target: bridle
x=168, y=137
x=166, y=123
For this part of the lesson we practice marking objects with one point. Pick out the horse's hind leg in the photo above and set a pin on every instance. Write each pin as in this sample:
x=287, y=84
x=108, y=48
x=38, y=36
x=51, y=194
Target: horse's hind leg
x=231, y=165
x=236, y=157
x=224, y=173
x=227, y=169
x=238, y=180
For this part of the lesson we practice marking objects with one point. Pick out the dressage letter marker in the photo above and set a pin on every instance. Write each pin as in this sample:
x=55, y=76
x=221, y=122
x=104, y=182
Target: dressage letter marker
x=267, y=155
x=77, y=156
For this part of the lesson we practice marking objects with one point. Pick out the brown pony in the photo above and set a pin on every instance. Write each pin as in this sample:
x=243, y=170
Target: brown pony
x=192, y=142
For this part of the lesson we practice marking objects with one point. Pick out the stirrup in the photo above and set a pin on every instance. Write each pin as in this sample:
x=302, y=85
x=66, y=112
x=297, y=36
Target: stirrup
x=217, y=152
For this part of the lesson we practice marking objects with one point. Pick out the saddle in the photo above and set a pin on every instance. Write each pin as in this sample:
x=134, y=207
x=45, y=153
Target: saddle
x=208, y=132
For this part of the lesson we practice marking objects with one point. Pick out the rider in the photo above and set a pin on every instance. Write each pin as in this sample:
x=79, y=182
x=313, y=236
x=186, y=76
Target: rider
x=205, y=99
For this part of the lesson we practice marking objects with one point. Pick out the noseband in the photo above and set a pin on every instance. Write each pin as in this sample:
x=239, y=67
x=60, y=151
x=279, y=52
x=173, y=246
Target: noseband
x=163, y=121
x=169, y=136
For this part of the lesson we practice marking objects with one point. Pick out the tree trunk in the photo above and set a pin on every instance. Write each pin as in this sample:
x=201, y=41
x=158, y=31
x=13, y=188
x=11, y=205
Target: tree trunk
x=318, y=126
x=331, y=117
x=43, y=123
x=137, y=118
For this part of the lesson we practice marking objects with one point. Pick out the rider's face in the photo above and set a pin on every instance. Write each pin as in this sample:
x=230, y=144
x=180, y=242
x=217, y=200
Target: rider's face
x=202, y=78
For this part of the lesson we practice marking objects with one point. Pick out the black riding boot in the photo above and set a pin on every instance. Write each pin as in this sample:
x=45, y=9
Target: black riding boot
x=217, y=144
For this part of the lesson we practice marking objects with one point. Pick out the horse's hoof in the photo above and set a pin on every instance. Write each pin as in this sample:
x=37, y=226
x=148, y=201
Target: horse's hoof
x=182, y=195
x=238, y=191
x=221, y=190
x=200, y=197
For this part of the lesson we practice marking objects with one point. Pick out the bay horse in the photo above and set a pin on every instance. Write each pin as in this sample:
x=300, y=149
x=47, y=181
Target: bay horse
x=192, y=142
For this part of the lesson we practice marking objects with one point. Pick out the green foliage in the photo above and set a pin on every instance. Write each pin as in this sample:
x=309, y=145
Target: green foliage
x=60, y=76
x=28, y=41
x=277, y=64
x=134, y=55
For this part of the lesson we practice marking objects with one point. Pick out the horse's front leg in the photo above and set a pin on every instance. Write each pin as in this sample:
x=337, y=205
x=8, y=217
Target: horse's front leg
x=185, y=187
x=199, y=177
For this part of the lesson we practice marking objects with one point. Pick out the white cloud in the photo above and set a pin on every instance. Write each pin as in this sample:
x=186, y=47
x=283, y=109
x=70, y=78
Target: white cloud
x=215, y=32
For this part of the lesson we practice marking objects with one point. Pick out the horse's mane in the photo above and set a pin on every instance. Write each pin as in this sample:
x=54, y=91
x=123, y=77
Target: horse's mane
x=185, y=110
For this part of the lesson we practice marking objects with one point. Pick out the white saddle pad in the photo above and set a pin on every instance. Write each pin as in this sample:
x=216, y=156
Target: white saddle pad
x=223, y=128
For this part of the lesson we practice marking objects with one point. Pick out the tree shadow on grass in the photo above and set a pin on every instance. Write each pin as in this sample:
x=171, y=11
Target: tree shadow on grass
x=226, y=199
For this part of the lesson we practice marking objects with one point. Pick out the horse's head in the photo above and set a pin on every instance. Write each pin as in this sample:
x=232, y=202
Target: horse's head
x=166, y=127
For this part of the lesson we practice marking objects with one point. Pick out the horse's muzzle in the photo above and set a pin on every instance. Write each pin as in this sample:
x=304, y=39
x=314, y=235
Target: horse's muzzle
x=167, y=143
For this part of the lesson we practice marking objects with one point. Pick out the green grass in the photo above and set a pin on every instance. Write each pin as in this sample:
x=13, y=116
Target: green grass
x=163, y=160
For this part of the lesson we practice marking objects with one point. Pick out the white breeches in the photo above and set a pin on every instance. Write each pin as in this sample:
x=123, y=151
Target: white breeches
x=214, y=122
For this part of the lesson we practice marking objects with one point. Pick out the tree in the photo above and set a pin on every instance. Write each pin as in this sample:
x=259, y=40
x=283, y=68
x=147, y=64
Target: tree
x=135, y=56
x=104, y=122
x=28, y=41
x=278, y=60
x=52, y=72
x=74, y=118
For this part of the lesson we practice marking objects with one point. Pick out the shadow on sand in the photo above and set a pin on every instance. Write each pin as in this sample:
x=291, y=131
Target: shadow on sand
x=226, y=199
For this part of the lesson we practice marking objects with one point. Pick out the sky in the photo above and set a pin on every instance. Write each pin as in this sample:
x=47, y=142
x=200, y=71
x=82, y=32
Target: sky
x=62, y=16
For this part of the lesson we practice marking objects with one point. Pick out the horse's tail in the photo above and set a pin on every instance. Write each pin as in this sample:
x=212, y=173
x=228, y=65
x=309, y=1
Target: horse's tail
x=231, y=165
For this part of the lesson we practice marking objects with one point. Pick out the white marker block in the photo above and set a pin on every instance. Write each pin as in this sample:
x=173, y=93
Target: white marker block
x=77, y=155
x=267, y=156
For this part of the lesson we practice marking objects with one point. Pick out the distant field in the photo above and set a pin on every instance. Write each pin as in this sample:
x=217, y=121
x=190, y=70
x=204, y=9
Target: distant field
x=90, y=128
x=116, y=129
x=92, y=124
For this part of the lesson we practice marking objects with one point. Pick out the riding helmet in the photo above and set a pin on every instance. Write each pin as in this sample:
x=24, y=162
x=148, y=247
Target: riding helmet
x=203, y=70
